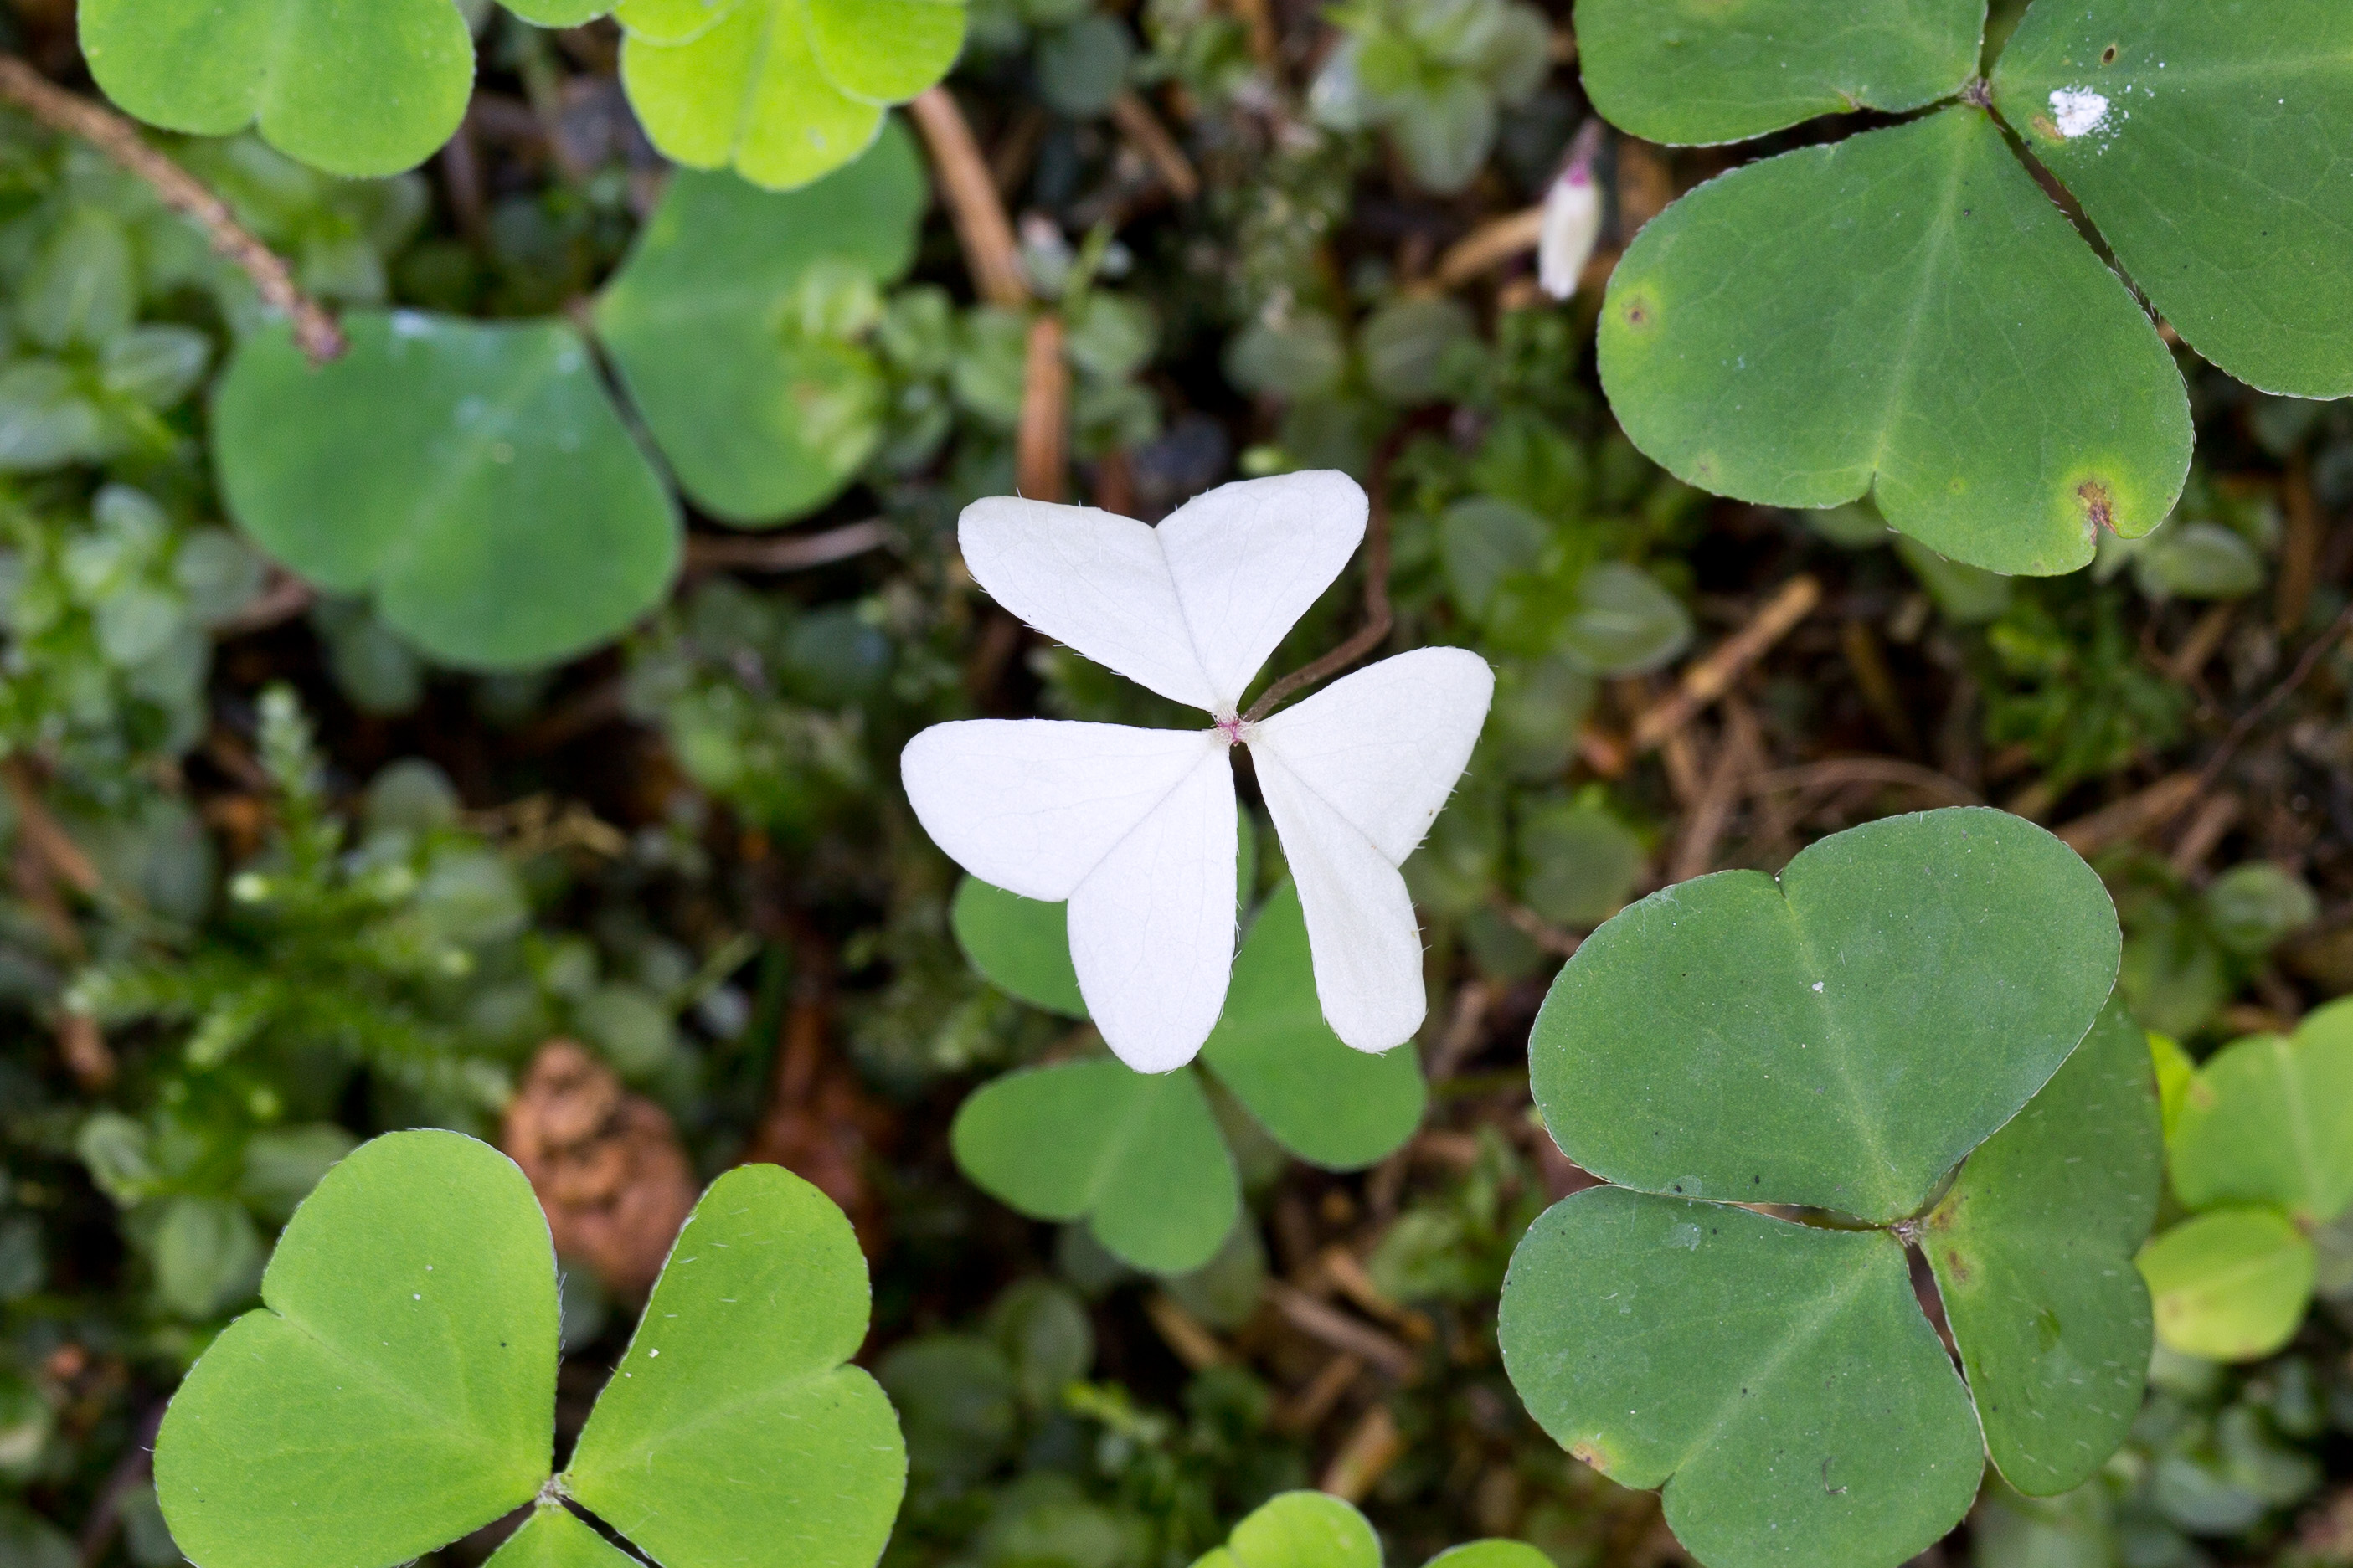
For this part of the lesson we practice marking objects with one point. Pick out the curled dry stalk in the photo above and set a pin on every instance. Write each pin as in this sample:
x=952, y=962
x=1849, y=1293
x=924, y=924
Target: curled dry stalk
x=314, y=330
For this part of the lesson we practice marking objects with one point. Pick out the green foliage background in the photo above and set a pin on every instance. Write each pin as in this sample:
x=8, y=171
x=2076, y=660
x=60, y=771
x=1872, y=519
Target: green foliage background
x=365, y=795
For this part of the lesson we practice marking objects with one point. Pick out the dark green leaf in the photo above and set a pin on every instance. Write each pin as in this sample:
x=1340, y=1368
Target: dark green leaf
x=1901, y=313
x=1839, y=1039
x=1685, y=71
x=456, y=469
x=2032, y=1250
x=2201, y=138
x=1780, y=1381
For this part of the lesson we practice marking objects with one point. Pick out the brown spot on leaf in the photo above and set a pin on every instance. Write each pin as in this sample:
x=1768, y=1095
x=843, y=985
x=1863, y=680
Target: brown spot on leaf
x=1590, y=1451
x=2045, y=126
x=2099, y=504
x=2109, y=55
x=1961, y=1271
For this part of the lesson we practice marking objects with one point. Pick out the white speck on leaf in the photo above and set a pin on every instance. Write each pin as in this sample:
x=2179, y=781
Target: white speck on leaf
x=1818, y=985
x=651, y=1354
x=2079, y=111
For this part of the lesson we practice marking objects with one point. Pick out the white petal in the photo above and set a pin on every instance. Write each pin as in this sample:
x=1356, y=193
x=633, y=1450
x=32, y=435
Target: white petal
x=1354, y=777
x=1248, y=558
x=1151, y=928
x=1361, y=934
x=1191, y=609
x=1092, y=580
x=1384, y=747
x=1572, y=223
x=1036, y=804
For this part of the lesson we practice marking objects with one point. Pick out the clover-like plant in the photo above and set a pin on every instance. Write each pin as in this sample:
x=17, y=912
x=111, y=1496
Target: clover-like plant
x=1141, y=1157
x=1135, y=828
x=734, y=326
x=2260, y=1152
x=781, y=90
x=728, y=328
x=453, y=469
x=397, y=1390
x=1316, y=1530
x=784, y=90
x=1780, y=1078
x=1904, y=312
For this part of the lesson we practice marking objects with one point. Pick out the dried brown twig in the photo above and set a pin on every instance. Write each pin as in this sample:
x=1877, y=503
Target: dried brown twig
x=978, y=212
x=1712, y=677
x=314, y=330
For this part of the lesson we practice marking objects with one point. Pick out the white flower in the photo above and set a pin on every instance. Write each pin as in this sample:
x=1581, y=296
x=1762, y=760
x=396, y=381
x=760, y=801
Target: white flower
x=1572, y=218
x=1137, y=828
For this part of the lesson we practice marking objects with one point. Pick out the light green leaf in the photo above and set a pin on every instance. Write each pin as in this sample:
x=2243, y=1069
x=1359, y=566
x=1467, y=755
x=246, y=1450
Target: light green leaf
x=2270, y=1121
x=2229, y=1286
x=760, y=419
x=1841, y=1038
x=1021, y=946
x=1904, y=313
x=352, y=88
x=409, y=1333
x=1300, y=1529
x=1139, y=1157
x=1778, y=1380
x=1491, y=1555
x=2032, y=1250
x=672, y=21
x=1692, y=71
x=747, y=92
x=456, y=469
x=555, y=1536
x=737, y=1369
x=558, y=13
x=2174, y=1072
x=1580, y=861
x=2201, y=138
x=885, y=51
x=1329, y=1105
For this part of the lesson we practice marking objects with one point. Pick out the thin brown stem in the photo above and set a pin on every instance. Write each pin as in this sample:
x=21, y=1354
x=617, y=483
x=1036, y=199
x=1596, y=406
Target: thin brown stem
x=981, y=225
x=314, y=330
x=786, y=553
x=1377, y=618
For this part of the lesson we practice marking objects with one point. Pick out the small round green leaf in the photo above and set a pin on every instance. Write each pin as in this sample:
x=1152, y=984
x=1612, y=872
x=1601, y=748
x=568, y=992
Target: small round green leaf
x=1491, y=1555
x=555, y=1537
x=1693, y=71
x=738, y=1369
x=558, y=13
x=1301, y=1529
x=354, y=90
x=2230, y=1286
x=747, y=92
x=457, y=469
x=761, y=418
x=1903, y=313
x=2202, y=138
x=885, y=51
x=1139, y=1157
x=2032, y=1250
x=1780, y=1381
x=1329, y=1105
x=1839, y=1039
x=1021, y=946
x=2270, y=1121
x=396, y=1389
